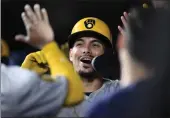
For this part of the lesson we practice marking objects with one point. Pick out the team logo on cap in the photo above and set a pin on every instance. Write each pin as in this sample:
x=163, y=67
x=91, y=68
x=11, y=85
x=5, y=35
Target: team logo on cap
x=89, y=23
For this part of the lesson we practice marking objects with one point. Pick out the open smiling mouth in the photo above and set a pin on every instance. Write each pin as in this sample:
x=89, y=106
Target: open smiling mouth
x=86, y=60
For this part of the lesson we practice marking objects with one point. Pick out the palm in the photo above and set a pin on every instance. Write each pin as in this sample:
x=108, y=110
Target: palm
x=39, y=30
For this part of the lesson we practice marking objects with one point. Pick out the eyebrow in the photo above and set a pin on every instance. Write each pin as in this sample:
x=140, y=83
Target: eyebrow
x=97, y=41
x=78, y=40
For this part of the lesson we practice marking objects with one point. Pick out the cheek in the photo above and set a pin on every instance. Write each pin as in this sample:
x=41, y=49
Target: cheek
x=75, y=53
x=98, y=52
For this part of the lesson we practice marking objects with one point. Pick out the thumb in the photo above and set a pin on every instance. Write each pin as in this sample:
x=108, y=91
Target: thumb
x=21, y=38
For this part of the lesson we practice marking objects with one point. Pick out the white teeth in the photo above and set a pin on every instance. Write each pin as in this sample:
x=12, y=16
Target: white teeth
x=87, y=59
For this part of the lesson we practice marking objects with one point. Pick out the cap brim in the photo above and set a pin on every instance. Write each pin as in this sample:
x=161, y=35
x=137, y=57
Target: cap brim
x=88, y=33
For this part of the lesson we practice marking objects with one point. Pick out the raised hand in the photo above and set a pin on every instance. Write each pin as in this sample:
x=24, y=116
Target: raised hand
x=124, y=19
x=38, y=28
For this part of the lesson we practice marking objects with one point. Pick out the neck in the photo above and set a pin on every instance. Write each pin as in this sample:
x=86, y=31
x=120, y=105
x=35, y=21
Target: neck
x=91, y=85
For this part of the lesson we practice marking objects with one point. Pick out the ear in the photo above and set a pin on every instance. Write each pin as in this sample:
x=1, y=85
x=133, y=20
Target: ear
x=70, y=55
x=120, y=41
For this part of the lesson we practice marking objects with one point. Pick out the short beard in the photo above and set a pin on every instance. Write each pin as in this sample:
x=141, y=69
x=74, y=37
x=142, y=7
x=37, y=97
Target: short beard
x=90, y=76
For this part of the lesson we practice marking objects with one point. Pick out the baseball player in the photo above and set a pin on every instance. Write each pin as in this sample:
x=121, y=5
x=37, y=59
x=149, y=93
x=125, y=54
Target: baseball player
x=90, y=38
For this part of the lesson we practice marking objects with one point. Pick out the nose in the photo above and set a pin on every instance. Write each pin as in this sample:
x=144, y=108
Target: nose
x=86, y=49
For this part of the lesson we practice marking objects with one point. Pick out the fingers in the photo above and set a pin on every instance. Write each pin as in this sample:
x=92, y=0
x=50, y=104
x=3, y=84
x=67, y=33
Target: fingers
x=45, y=15
x=124, y=24
x=37, y=58
x=124, y=19
x=26, y=20
x=30, y=14
x=34, y=16
x=37, y=11
x=121, y=30
x=125, y=15
x=37, y=14
x=27, y=24
x=41, y=56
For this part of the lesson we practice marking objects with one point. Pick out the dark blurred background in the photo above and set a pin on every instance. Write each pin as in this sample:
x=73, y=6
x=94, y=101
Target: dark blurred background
x=63, y=15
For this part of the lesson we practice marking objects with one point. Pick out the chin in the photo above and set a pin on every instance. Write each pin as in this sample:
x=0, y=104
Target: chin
x=87, y=70
x=87, y=73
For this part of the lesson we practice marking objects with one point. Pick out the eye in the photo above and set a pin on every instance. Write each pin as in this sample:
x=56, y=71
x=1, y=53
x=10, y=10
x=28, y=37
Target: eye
x=79, y=43
x=97, y=44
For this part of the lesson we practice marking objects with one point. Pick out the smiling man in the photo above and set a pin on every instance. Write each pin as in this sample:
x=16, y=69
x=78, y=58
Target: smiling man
x=82, y=53
x=90, y=38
